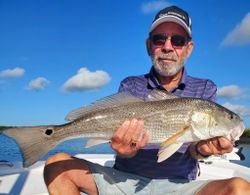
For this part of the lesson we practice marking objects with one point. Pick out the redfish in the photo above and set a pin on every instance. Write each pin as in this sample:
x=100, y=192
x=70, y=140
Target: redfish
x=169, y=119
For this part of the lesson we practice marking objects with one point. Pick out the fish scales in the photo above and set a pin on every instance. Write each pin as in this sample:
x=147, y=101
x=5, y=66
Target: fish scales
x=158, y=116
x=166, y=124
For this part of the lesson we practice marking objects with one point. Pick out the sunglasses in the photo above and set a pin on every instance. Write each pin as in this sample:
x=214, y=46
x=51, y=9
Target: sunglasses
x=176, y=40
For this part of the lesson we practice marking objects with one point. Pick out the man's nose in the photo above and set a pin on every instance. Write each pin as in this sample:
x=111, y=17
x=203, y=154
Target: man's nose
x=167, y=45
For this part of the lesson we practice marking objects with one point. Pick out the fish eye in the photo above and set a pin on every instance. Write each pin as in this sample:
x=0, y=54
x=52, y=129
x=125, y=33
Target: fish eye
x=231, y=116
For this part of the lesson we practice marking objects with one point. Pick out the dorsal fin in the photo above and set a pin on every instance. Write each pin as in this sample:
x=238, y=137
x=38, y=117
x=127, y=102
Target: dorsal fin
x=115, y=100
x=156, y=95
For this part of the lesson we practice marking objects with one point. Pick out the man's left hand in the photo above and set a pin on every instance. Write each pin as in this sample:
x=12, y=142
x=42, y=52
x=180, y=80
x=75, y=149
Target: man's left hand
x=217, y=145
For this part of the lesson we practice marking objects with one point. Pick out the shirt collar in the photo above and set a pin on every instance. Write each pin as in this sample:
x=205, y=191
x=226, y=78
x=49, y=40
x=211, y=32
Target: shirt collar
x=153, y=82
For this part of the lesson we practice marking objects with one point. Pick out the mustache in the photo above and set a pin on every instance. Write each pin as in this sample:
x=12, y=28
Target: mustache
x=167, y=56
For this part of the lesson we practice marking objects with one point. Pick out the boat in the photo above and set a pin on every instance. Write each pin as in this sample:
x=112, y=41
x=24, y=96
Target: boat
x=15, y=180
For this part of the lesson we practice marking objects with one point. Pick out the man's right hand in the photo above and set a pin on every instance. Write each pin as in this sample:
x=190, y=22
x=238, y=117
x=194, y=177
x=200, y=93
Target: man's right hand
x=129, y=138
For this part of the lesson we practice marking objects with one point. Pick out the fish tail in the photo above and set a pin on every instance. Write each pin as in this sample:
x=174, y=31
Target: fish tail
x=34, y=142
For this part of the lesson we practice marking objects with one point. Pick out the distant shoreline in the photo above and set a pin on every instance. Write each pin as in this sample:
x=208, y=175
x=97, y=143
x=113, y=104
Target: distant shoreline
x=244, y=140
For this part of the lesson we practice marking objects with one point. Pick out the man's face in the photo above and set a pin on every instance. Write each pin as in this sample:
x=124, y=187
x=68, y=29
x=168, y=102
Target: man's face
x=168, y=56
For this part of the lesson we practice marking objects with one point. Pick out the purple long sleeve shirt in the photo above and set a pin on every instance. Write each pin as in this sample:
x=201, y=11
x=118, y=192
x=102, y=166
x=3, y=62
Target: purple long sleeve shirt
x=180, y=164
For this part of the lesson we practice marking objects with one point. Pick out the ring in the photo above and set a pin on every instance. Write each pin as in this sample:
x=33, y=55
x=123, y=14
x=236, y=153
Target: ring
x=133, y=144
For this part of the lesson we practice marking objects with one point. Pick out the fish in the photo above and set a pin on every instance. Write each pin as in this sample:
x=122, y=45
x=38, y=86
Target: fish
x=170, y=120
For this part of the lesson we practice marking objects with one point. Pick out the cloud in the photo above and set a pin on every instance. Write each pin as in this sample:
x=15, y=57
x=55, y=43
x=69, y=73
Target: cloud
x=154, y=6
x=38, y=84
x=231, y=92
x=243, y=111
x=12, y=73
x=240, y=35
x=86, y=80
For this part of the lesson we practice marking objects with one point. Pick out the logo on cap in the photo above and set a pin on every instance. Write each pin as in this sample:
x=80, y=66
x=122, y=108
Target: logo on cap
x=174, y=14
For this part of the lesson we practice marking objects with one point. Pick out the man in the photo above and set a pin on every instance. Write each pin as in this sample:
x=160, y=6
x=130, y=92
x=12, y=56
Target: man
x=136, y=169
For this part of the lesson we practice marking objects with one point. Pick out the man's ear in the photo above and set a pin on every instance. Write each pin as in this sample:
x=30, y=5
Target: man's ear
x=190, y=47
x=148, y=46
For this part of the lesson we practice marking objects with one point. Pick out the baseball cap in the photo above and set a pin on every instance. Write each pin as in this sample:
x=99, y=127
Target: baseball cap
x=173, y=14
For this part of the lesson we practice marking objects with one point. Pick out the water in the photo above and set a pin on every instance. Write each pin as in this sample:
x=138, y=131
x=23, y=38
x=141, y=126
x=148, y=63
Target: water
x=246, y=153
x=9, y=150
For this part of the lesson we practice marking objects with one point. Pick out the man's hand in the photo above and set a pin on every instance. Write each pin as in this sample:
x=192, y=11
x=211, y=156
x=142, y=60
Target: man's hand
x=217, y=145
x=129, y=138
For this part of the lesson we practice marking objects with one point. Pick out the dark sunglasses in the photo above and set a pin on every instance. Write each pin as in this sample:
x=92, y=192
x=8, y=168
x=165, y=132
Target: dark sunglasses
x=176, y=40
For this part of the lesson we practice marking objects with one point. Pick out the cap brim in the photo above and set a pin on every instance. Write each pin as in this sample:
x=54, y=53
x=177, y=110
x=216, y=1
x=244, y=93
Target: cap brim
x=170, y=19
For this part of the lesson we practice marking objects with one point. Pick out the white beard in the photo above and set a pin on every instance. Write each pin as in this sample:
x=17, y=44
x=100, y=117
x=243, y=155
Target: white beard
x=167, y=69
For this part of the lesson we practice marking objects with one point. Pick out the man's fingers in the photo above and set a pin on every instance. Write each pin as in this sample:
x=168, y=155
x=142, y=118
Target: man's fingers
x=144, y=140
x=211, y=147
x=138, y=131
x=216, y=145
x=129, y=138
x=121, y=131
x=130, y=131
x=224, y=145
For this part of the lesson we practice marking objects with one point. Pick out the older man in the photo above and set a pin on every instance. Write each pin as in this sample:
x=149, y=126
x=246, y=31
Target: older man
x=136, y=169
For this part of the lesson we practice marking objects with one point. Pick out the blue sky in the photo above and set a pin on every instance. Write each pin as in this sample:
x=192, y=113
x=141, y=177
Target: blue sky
x=58, y=55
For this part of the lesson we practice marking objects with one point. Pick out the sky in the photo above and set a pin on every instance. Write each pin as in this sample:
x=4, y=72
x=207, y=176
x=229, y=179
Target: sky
x=59, y=55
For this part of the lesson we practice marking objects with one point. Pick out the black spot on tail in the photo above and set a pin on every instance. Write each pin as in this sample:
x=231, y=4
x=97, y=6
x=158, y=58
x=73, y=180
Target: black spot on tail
x=49, y=132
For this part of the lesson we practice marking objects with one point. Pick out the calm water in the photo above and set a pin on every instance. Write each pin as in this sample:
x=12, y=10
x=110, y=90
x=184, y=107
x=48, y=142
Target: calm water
x=9, y=150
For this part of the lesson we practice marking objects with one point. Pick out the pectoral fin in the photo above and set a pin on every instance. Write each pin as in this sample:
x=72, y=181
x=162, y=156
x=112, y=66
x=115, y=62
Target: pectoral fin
x=174, y=137
x=167, y=150
x=94, y=142
x=170, y=146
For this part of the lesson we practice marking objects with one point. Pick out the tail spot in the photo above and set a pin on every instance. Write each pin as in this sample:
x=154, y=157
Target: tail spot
x=48, y=132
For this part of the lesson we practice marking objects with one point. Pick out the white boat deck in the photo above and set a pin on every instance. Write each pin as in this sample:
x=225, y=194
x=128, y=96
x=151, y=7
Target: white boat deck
x=29, y=181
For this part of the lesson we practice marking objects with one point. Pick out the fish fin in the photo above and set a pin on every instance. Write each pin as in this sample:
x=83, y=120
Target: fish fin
x=176, y=136
x=33, y=142
x=115, y=100
x=94, y=142
x=167, y=150
x=156, y=95
x=170, y=146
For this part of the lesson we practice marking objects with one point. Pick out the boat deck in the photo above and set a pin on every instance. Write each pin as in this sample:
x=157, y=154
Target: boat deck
x=29, y=181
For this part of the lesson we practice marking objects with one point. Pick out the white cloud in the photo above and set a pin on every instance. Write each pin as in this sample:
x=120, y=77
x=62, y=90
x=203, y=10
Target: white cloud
x=240, y=35
x=154, y=6
x=86, y=80
x=231, y=92
x=38, y=84
x=12, y=73
x=243, y=111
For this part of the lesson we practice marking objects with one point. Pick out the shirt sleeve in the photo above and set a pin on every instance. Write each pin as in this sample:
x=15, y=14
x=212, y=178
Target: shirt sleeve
x=126, y=85
x=122, y=86
x=210, y=91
